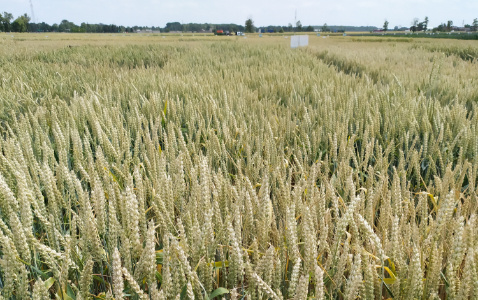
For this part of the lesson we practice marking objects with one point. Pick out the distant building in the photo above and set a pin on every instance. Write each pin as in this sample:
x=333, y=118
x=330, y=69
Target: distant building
x=456, y=28
x=147, y=31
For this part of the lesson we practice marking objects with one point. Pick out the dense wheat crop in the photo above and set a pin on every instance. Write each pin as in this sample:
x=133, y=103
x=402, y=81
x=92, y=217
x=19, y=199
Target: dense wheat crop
x=136, y=167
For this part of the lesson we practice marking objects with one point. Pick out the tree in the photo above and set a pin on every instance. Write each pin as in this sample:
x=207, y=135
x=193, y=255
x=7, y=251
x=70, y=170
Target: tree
x=425, y=24
x=21, y=24
x=420, y=26
x=414, y=25
x=67, y=26
x=173, y=26
x=474, y=25
x=385, y=25
x=289, y=27
x=309, y=28
x=325, y=28
x=249, y=26
x=440, y=28
x=449, y=24
x=6, y=19
x=298, y=26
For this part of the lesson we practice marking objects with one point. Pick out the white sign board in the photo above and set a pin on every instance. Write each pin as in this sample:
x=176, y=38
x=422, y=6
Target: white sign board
x=299, y=41
x=294, y=41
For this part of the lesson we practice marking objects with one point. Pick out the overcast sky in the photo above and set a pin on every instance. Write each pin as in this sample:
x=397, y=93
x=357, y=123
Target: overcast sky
x=278, y=12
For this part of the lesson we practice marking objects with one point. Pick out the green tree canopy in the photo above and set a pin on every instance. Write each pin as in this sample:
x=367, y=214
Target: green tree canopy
x=21, y=24
x=174, y=26
x=249, y=25
x=6, y=19
x=425, y=24
x=449, y=24
x=385, y=25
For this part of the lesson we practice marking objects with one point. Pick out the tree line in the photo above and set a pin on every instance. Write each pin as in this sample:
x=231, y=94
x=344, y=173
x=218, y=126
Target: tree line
x=7, y=23
x=448, y=26
x=22, y=24
x=418, y=26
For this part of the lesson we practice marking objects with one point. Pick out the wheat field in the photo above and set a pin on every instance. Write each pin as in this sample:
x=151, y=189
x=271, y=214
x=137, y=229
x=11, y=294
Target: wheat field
x=202, y=167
